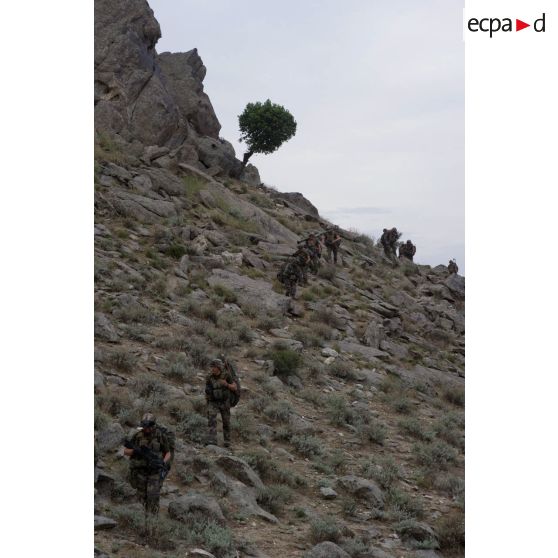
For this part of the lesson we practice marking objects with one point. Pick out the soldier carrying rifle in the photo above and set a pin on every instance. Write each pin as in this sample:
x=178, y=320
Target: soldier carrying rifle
x=150, y=453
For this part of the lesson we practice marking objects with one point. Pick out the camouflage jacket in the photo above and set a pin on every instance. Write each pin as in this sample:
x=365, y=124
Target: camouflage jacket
x=216, y=393
x=302, y=256
x=289, y=270
x=332, y=239
x=157, y=443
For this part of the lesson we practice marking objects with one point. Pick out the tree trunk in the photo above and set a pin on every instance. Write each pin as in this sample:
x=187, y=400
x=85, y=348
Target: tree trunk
x=247, y=156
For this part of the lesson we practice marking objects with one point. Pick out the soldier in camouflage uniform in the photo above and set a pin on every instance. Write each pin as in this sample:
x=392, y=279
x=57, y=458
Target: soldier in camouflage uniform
x=332, y=241
x=452, y=267
x=290, y=274
x=389, y=240
x=314, y=250
x=302, y=257
x=407, y=250
x=218, y=386
x=150, y=453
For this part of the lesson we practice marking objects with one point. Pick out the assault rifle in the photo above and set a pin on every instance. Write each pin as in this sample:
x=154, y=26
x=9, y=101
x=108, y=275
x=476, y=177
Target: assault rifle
x=154, y=461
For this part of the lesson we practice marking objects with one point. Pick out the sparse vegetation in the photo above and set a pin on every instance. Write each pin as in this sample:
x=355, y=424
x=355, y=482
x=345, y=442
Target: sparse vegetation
x=285, y=361
x=325, y=529
x=274, y=497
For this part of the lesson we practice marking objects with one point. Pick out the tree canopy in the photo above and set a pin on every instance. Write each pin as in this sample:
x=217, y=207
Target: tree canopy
x=265, y=127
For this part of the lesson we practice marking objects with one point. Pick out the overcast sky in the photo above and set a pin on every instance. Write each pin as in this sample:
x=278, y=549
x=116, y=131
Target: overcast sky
x=376, y=88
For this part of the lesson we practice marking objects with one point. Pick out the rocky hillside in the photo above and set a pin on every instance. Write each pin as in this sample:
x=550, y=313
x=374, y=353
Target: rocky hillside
x=349, y=436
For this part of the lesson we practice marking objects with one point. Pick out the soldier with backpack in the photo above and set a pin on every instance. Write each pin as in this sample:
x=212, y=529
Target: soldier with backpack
x=290, y=274
x=150, y=451
x=452, y=267
x=389, y=241
x=221, y=392
x=407, y=250
x=332, y=242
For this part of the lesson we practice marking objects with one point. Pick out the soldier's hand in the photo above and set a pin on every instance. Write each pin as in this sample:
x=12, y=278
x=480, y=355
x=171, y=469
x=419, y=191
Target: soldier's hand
x=223, y=383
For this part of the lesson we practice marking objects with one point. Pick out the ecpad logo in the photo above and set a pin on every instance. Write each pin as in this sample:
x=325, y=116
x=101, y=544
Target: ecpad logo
x=493, y=25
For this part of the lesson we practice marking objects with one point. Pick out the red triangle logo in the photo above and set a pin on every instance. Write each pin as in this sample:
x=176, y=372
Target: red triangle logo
x=519, y=25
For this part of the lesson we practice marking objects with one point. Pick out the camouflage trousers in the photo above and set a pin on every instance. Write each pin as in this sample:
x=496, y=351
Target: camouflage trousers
x=331, y=249
x=389, y=251
x=148, y=487
x=214, y=409
x=314, y=265
x=290, y=286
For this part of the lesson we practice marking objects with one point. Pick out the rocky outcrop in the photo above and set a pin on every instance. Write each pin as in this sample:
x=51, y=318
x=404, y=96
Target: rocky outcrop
x=297, y=200
x=155, y=99
x=131, y=98
x=249, y=291
x=184, y=73
x=196, y=506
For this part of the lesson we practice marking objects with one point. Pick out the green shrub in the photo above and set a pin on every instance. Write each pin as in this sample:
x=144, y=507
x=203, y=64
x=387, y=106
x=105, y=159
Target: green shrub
x=194, y=427
x=451, y=533
x=402, y=506
x=415, y=428
x=178, y=366
x=324, y=315
x=450, y=428
x=224, y=293
x=455, y=395
x=197, y=350
x=279, y=411
x=434, y=456
x=327, y=272
x=374, y=431
x=338, y=412
x=325, y=529
x=202, y=310
x=243, y=424
x=285, y=362
x=175, y=250
x=123, y=360
x=307, y=445
x=274, y=497
x=341, y=369
x=192, y=185
x=384, y=471
x=218, y=539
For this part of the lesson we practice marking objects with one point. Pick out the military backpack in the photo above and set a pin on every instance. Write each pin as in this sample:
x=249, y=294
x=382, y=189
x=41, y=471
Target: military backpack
x=234, y=396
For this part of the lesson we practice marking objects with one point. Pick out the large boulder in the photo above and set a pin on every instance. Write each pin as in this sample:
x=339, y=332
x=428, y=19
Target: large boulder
x=456, y=284
x=373, y=335
x=239, y=469
x=369, y=353
x=251, y=291
x=131, y=97
x=364, y=489
x=142, y=208
x=298, y=200
x=195, y=506
x=327, y=550
x=216, y=156
x=104, y=328
x=243, y=497
x=103, y=523
x=184, y=73
x=417, y=532
x=215, y=195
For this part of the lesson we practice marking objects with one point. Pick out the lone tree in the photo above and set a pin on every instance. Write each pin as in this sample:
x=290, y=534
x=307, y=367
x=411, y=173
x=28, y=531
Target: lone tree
x=264, y=127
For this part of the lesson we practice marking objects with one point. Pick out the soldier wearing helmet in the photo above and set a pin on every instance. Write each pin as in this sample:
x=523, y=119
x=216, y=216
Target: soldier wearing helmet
x=407, y=250
x=332, y=241
x=218, y=386
x=149, y=451
x=452, y=267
